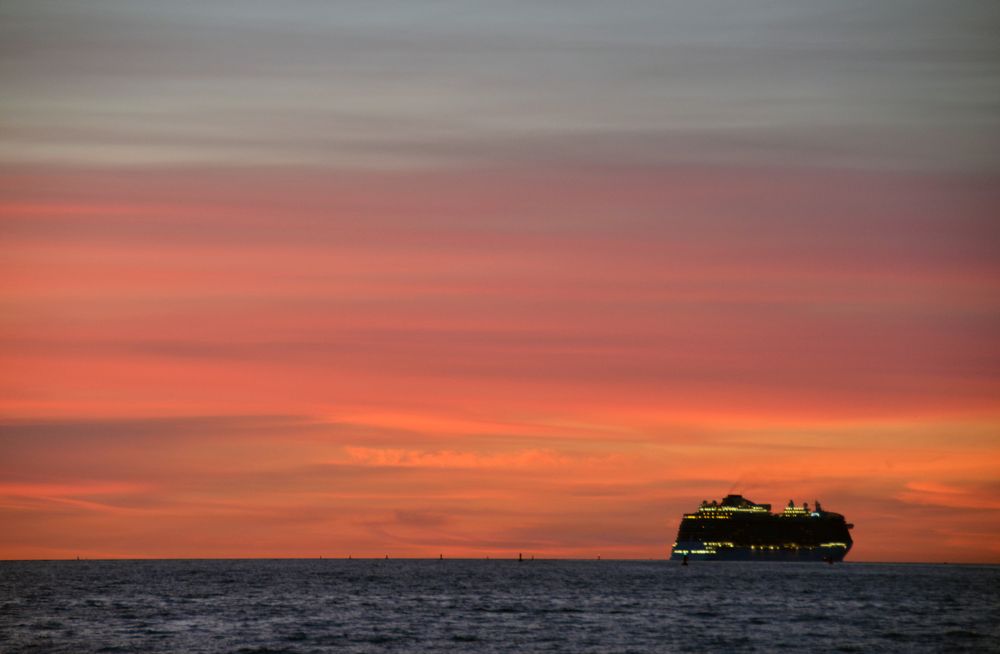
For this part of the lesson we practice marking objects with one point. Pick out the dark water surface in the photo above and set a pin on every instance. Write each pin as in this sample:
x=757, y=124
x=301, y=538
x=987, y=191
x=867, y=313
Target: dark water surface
x=494, y=606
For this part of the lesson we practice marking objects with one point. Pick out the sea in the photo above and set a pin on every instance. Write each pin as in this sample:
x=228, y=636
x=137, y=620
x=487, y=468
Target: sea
x=498, y=605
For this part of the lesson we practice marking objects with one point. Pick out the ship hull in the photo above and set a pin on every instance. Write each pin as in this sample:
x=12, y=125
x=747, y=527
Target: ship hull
x=696, y=551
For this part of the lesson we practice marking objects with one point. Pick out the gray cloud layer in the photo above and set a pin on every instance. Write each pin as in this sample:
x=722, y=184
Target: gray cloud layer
x=903, y=83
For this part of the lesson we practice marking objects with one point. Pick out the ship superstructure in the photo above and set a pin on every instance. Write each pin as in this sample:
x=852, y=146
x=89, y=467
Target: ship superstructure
x=738, y=529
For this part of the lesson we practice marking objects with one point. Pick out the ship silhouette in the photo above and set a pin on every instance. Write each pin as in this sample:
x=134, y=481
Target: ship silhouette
x=738, y=529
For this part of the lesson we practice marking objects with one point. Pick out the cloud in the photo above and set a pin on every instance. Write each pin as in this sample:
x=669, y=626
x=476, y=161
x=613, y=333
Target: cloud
x=410, y=87
x=972, y=496
x=524, y=459
x=380, y=276
x=421, y=518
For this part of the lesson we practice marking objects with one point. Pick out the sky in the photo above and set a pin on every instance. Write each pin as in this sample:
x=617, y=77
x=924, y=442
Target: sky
x=471, y=278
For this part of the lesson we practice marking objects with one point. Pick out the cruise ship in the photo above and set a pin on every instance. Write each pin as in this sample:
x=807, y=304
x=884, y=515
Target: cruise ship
x=737, y=529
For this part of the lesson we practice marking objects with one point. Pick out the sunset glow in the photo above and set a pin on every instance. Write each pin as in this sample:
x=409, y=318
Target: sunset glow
x=327, y=283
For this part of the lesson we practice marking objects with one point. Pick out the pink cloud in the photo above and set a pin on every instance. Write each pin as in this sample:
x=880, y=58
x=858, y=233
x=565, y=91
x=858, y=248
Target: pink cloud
x=450, y=344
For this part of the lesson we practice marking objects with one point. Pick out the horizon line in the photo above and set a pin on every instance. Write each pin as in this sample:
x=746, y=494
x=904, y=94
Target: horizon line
x=459, y=558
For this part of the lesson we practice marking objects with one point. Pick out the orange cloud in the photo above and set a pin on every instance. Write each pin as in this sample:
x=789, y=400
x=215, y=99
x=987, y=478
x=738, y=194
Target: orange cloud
x=451, y=459
x=981, y=498
x=294, y=362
